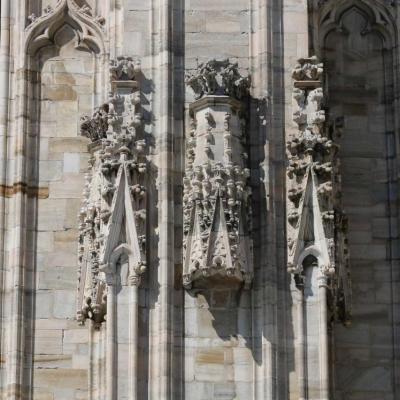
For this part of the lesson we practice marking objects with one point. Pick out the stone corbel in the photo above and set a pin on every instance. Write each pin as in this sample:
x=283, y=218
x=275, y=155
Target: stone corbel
x=217, y=195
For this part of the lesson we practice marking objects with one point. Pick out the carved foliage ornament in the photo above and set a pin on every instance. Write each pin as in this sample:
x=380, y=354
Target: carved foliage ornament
x=218, y=77
x=217, y=211
x=316, y=223
x=113, y=213
x=124, y=69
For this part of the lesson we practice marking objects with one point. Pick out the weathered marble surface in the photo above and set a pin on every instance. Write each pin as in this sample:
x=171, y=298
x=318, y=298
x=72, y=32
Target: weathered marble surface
x=212, y=341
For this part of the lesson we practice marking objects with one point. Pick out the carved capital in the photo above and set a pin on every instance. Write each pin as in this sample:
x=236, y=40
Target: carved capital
x=218, y=77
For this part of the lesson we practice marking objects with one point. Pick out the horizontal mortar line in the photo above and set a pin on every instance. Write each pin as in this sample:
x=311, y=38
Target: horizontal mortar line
x=21, y=187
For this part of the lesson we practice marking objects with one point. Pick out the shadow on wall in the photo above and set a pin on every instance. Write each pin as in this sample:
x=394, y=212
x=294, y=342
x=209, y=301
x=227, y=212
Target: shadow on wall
x=254, y=326
x=225, y=312
x=359, y=59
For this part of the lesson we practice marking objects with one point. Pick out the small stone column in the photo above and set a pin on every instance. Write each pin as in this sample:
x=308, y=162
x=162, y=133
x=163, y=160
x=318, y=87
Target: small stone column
x=134, y=282
x=323, y=332
x=111, y=339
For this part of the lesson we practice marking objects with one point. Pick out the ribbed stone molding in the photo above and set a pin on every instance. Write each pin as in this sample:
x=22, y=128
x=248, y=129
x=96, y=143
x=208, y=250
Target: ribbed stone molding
x=113, y=214
x=217, y=211
x=316, y=222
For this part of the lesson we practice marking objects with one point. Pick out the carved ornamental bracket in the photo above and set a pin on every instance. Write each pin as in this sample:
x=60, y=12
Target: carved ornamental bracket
x=113, y=214
x=217, y=211
x=316, y=223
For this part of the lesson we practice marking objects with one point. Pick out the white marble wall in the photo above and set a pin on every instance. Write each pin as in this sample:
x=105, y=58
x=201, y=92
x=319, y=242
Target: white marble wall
x=215, y=345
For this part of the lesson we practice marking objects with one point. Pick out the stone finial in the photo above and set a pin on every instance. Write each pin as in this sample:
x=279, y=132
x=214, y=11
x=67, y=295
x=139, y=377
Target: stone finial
x=217, y=77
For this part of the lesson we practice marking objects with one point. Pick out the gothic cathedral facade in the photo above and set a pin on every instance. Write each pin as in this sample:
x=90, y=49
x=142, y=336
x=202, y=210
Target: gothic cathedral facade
x=199, y=200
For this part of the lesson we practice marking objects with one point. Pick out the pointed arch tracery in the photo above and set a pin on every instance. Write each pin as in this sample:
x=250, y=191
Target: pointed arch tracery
x=88, y=29
x=327, y=16
x=357, y=42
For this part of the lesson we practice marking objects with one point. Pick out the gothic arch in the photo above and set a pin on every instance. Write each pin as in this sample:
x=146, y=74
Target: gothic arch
x=327, y=17
x=357, y=42
x=42, y=33
x=315, y=253
x=88, y=29
x=25, y=142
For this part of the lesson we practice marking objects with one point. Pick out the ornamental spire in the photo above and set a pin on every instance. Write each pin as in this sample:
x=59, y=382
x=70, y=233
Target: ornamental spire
x=217, y=195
